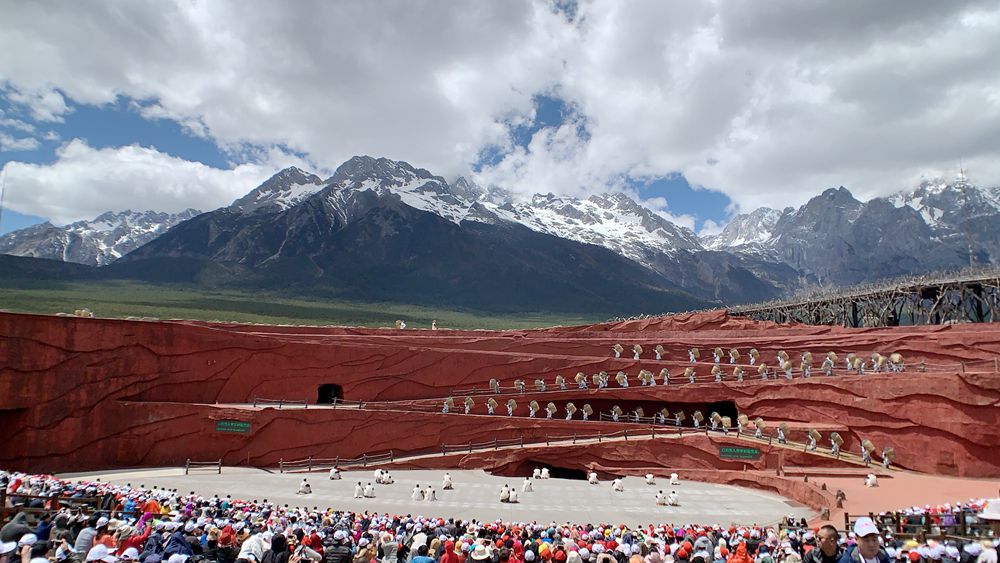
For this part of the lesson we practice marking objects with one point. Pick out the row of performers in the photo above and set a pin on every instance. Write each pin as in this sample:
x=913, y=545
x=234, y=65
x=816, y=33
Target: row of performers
x=601, y=380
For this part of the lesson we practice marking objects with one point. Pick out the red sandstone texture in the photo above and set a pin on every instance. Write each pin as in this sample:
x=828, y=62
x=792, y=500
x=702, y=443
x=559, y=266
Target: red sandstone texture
x=93, y=393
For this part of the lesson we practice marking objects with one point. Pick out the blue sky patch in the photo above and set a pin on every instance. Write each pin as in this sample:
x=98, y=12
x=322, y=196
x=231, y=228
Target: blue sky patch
x=684, y=199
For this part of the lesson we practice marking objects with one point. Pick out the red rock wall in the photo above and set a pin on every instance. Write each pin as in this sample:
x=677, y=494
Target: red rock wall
x=89, y=393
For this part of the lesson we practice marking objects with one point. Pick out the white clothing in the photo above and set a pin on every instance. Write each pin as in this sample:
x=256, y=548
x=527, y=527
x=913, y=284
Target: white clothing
x=513, y=496
x=650, y=480
x=871, y=480
x=545, y=473
x=527, y=486
x=369, y=491
x=430, y=494
x=674, y=479
x=592, y=478
x=446, y=483
x=536, y=474
x=417, y=494
x=334, y=474
x=505, y=494
x=661, y=500
x=672, y=499
x=358, y=491
x=305, y=489
x=617, y=486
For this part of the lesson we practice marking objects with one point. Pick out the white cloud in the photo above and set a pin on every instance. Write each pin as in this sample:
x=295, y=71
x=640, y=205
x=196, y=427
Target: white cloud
x=768, y=104
x=12, y=144
x=710, y=227
x=44, y=104
x=84, y=182
x=661, y=207
x=12, y=123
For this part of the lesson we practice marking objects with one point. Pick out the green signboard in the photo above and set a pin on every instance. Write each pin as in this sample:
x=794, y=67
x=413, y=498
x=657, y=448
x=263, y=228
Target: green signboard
x=237, y=426
x=732, y=452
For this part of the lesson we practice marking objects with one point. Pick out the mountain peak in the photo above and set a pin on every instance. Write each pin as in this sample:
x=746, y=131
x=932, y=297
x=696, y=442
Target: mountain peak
x=281, y=191
x=96, y=242
x=747, y=231
x=365, y=166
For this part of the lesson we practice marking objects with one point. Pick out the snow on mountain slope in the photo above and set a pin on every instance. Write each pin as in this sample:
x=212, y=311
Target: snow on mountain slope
x=749, y=231
x=611, y=220
x=283, y=190
x=100, y=241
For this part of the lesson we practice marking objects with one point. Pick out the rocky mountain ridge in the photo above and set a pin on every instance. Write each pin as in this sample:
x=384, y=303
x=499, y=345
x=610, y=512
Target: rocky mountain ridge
x=96, y=242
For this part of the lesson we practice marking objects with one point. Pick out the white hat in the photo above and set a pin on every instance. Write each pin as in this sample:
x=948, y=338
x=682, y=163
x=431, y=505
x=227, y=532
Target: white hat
x=177, y=558
x=991, y=510
x=7, y=547
x=130, y=554
x=102, y=521
x=864, y=526
x=340, y=535
x=480, y=553
x=38, y=560
x=100, y=552
x=28, y=539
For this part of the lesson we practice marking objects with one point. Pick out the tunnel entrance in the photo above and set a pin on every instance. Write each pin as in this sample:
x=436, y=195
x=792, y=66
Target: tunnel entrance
x=329, y=394
x=528, y=466
x=724, y=408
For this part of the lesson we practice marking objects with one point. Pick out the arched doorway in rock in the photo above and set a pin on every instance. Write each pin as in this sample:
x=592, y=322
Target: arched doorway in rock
x=329, y=394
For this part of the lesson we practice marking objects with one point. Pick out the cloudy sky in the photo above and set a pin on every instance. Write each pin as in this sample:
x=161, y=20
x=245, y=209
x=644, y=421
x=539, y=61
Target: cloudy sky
x=702, y=109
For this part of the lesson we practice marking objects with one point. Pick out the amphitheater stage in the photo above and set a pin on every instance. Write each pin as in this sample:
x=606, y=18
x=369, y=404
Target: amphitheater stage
x=476, y=496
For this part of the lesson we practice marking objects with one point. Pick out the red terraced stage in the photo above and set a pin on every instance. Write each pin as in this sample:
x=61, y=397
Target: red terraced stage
x=84, y=394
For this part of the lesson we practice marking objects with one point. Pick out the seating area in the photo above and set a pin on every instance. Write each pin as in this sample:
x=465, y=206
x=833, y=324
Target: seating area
x=126, y=523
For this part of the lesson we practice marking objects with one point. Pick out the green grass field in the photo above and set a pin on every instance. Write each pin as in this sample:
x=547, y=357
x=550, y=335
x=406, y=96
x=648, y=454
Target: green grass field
x=133, y=299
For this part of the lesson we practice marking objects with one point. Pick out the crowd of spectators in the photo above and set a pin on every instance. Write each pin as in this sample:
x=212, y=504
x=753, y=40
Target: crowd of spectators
x=128, y=524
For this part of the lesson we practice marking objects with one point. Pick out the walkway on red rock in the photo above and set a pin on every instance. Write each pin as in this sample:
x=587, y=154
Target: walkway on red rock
x=905, y=489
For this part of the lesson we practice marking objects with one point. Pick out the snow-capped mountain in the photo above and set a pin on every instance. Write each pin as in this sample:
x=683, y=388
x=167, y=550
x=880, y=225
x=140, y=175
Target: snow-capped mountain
x=98, y=242
x=612, y=220
x=406, y=219
x=747, y=232
x=838, y=239
x=281, y=191
x=380, y=230
x=944, y=204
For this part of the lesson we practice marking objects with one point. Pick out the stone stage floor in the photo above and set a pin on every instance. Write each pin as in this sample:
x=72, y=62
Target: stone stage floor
x=476, y=495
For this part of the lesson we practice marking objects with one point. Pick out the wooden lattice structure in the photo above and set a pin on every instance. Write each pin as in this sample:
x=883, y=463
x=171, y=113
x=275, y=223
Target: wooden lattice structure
x=940, y=299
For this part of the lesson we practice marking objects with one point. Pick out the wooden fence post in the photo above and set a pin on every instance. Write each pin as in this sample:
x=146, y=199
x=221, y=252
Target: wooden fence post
x=281, y=465
x=220, y=467
x=310, y=464
x=187, y=466
x=625, y=433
